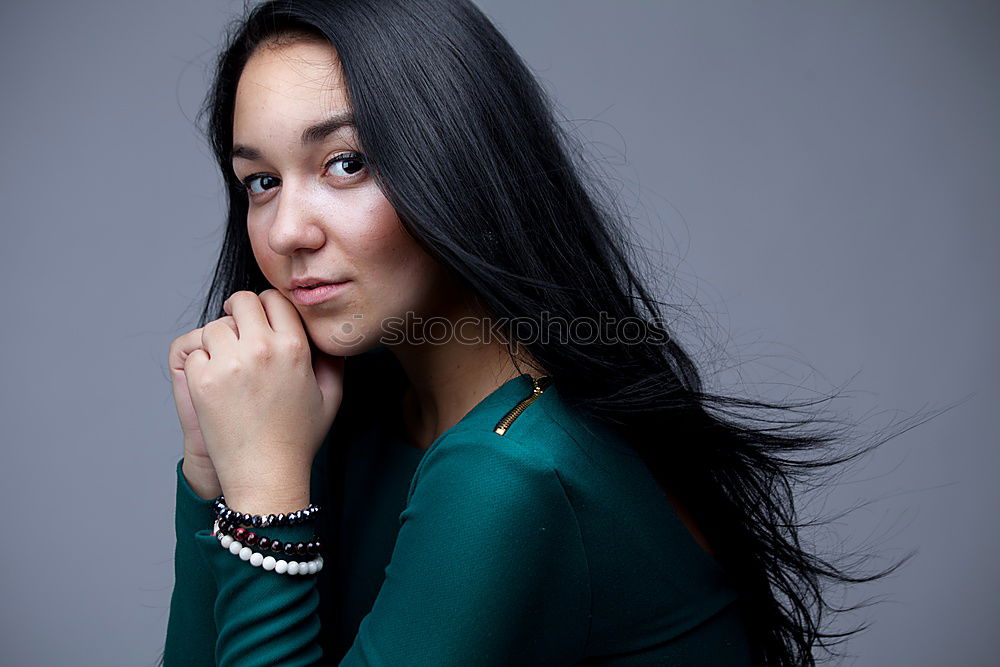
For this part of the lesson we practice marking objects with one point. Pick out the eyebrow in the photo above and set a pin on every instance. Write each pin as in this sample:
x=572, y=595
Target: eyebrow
x=311, y=135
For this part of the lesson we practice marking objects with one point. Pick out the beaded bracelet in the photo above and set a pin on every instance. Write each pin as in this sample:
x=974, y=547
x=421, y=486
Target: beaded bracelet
x=265, y=543
x=268, y=563
x=259, y=521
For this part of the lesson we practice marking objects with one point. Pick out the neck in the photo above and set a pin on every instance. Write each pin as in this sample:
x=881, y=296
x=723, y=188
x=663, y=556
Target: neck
x=444, y=382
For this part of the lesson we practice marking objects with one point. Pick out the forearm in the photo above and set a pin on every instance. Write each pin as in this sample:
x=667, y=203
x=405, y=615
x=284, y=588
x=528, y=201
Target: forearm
x=222, y=607
x=264, y=617
x=191, y=632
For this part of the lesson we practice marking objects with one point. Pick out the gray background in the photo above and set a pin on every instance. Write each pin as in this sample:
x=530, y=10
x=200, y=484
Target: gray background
x=822, y=176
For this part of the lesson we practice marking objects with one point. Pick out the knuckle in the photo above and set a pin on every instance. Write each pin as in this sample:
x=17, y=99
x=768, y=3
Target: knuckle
x=187, y=359
x=260, y=351
x=232, y=366
x=183, y=342
x=295, y=347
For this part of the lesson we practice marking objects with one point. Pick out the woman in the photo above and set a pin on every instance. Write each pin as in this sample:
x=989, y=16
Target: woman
x=413, y=285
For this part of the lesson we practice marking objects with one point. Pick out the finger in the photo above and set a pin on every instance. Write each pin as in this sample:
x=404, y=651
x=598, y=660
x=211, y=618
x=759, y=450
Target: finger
x=218, y=335
x=181, y=347
x=282, y=315
x=193, y=364
x=245, y=307
x=231, y=321
x=185, y=344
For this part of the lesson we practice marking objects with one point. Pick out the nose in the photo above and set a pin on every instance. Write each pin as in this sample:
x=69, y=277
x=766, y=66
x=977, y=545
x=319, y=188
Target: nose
x=297, y=223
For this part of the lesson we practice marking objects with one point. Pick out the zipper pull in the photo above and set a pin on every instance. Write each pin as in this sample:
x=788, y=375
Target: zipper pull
x=539, y=385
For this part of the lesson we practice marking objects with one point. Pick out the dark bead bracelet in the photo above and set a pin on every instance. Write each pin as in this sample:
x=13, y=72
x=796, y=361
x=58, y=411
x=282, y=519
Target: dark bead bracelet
x=258, y=521
x=264, y=543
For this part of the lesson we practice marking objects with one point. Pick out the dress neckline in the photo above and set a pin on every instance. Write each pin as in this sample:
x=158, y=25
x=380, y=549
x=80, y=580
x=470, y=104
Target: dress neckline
x=507, y=394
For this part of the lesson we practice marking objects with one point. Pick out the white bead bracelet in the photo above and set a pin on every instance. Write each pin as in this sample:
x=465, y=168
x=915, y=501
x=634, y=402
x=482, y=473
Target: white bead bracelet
x=269, y=563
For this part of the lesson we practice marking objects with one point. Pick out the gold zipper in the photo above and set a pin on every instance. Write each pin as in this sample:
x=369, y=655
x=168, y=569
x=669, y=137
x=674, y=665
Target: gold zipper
x=540, y=383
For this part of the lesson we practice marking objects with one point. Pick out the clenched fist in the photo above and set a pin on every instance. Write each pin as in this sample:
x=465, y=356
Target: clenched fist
x=264, y=399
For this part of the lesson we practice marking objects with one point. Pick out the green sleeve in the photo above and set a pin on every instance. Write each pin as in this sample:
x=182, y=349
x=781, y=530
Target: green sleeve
x=263, y=618
x=488, y=567
x=190, y=628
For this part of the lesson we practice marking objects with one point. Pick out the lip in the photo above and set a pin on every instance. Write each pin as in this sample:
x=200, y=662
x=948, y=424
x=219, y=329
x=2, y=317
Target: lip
x=304, y=296
x=306, y=281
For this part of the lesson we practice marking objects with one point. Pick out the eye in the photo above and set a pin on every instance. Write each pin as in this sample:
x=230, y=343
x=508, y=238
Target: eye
x=265, y=182
x=350, y=164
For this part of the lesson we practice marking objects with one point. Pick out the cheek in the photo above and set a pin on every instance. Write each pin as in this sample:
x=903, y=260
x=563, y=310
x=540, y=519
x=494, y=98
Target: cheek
x=381, y=244
x=381, y=224
x=261, y=251
x=401, y=260
x=412, y=280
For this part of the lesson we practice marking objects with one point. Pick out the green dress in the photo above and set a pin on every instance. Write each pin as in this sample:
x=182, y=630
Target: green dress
x=548, y=545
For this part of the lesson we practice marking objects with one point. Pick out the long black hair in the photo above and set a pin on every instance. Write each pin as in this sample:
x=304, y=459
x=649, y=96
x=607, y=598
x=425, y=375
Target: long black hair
x=465, y=145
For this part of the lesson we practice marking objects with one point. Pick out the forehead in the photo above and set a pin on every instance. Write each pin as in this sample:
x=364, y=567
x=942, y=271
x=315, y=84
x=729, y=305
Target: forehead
x=285, y=87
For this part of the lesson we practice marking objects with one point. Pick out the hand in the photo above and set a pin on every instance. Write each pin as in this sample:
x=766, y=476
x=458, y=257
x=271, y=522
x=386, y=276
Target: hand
x=264, y=399
x=197, y=467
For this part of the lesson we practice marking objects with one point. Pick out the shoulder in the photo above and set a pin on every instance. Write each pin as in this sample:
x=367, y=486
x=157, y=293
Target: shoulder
x=494, y=473
x=493, y=504
x=549, y=449
x=490, y=547
x=501, y=491
x=546, y=444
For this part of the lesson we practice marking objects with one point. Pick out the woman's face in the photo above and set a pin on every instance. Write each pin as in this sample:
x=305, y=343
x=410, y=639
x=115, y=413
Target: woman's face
x=314, y=208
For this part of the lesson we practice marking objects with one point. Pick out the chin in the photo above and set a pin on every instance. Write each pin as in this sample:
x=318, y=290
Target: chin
x=336, y=350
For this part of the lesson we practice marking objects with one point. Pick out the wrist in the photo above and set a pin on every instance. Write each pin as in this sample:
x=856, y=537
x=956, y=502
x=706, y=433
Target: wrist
x=268, y=495
x=202, y=480
x=263, y=502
